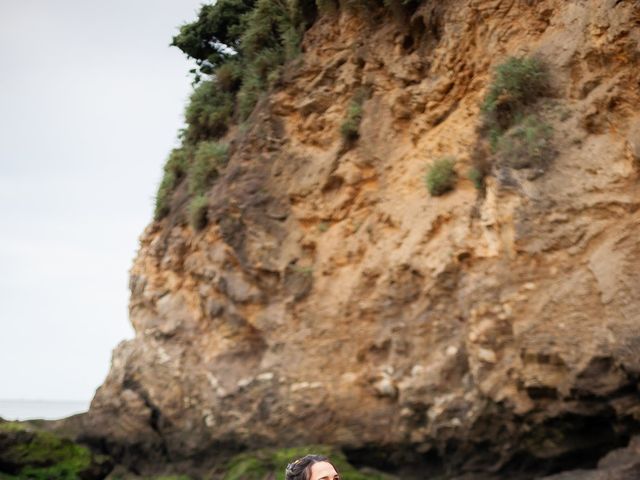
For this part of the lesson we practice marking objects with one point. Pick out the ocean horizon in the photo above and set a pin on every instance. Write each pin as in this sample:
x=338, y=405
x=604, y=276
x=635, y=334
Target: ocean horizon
x=23, y=409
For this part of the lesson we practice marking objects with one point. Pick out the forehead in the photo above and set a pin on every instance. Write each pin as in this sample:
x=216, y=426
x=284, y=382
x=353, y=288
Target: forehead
x=321, y=470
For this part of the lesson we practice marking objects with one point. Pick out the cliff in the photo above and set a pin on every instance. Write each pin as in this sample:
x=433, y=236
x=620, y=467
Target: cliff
x=330, y=298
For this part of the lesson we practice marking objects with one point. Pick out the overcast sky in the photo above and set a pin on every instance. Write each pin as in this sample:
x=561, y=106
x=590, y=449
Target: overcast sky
x=91, y=100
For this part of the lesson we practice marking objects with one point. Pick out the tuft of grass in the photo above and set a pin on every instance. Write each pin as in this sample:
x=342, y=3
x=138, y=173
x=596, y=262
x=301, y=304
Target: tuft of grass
x=517, y=138
x=304, y=270
x=477, y=177
x=229, y=76
x=349, y=129
x=526, y=145
x=198, y=211
x=252, y=87
x=175, y=169
x=517, y=82
x=209, y=112
x=163, y=196
x=209, y=159
x=441, y=176
x=351, y=124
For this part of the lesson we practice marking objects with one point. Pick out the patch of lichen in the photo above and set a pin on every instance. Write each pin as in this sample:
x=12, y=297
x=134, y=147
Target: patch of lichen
x=271, y=463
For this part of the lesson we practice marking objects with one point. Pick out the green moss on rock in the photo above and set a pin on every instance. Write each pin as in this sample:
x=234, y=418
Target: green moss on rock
x=12, y=427
x=26, y=453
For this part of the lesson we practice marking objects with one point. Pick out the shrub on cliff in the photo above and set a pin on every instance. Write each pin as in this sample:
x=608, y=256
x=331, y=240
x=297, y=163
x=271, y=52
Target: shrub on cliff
x=229, y=76
x=477, y=177
x=517, y=136
x=209, y=159
x=208, y=113
x=198, y=211
x=516, y=84
x=175, y=170
x=350, y=127
x=215, y=36
x=239, y=43
x=526, y=145
x=441, y=176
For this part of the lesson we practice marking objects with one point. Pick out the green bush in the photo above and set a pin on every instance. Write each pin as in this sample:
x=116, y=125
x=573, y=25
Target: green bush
x=272, y=25
x=526, y=145
x=517, y=83
x=240, y=43
x=350, y=127
x=163, y=196
x=198, y=211
x=252, y=87
x=209, y=159
x=175, y=169
x=516, y=136
x=208, y=113
x=441, y=176
x=256, y=79
x=215, y=37
x=477, y=177
x=178, y=162
x=229, y=76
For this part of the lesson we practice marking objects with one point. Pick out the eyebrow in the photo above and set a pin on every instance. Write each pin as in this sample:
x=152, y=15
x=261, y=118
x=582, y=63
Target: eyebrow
x=327, y=477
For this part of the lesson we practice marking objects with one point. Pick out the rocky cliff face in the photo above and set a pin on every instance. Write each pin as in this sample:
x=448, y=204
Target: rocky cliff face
x=331, y=299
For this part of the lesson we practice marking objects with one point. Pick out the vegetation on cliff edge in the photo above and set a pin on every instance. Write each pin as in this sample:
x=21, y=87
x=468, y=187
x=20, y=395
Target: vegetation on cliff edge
x=238, y=46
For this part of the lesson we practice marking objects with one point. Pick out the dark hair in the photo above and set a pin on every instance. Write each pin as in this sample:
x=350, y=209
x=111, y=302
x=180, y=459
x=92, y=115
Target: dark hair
x=301, y=469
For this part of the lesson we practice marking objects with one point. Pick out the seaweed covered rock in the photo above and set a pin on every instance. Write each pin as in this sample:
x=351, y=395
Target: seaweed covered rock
x=27, y=453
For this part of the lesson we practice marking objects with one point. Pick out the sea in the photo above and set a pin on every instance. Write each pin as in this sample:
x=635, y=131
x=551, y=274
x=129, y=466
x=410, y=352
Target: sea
x=40, y=409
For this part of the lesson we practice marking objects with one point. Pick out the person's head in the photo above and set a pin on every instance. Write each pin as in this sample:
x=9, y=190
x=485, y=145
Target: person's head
x=311, y=467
